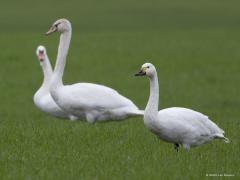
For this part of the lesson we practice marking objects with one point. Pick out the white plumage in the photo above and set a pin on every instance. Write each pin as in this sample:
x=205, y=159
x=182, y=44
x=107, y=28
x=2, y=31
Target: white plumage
x=42, y=98
x=92, y=101
x=176, y=125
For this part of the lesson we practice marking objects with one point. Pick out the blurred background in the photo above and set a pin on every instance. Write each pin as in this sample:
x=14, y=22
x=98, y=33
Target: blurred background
x=195, y=48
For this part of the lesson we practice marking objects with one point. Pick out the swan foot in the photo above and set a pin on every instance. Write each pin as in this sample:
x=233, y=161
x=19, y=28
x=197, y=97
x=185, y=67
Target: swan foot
x=176, y=146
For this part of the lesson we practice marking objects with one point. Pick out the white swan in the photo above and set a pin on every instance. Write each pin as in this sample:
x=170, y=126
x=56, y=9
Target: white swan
x=42, y=98
x=94, y=102
x=176, y=125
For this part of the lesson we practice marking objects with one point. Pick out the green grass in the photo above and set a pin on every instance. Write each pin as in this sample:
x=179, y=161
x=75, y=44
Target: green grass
x=196, y=49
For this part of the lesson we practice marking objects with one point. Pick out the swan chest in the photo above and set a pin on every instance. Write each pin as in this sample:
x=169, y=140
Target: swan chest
x=161, y=129
x=151, y=123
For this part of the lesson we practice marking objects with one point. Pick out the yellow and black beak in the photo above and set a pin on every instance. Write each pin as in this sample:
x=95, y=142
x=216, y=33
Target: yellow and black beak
x=141, y=73
x=51, y=30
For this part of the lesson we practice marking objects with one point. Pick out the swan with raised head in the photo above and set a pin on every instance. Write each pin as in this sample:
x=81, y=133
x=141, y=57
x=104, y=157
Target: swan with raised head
x=180, y=126
x=94, y=102
x=42, y=98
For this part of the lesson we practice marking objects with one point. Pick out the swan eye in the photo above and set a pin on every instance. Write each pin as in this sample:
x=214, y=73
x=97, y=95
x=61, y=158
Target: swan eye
x=148, y=67
x=56, y=25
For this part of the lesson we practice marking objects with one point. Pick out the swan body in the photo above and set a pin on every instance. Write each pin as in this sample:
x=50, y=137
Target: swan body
x=42, y=98
x=109, y=105
x=92, y=101
x=176, y=125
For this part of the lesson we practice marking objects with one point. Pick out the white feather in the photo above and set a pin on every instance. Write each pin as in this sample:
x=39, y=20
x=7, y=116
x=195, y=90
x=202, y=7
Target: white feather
x=177, y=125
x=92, y=101
x=42, y=98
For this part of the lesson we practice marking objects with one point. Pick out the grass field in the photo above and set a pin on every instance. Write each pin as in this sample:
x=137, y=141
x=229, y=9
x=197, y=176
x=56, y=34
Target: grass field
x=195, y=46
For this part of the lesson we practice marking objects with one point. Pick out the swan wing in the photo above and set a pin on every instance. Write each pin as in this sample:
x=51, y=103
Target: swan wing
x=188, y=117
x=185, y=125
x=94, y=96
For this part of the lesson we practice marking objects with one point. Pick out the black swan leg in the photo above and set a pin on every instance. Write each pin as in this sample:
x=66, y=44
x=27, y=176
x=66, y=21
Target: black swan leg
x=176, y=146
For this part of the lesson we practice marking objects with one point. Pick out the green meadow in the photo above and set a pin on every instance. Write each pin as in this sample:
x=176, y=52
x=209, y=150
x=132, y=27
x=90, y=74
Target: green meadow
x=195, y=46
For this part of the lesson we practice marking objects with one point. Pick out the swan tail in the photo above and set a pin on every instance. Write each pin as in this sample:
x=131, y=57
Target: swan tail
x=221, y=136
x=226, y=140
x=137, y=113
x=134, y=111
x=141, y=112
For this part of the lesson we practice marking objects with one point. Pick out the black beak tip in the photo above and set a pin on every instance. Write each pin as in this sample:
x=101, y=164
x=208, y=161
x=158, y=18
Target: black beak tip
x=141, y=73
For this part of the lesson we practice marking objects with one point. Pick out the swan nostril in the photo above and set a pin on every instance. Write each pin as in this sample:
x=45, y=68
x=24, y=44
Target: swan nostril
x=41, y=56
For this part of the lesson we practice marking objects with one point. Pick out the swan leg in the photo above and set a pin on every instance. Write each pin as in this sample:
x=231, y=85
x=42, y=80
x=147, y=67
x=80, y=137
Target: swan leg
x=186, y=146
x=73, y=118
x=176, y=146
x=90, y=118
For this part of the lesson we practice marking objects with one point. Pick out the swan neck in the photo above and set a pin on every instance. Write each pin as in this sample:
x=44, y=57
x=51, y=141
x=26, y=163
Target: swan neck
x=152, y=105
x=63, y=47
x=47, y=72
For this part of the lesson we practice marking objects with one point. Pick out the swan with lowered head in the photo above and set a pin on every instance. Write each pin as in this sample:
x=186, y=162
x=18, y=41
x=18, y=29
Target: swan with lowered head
x=176, y=125
x=42, y=98
x=94, y=102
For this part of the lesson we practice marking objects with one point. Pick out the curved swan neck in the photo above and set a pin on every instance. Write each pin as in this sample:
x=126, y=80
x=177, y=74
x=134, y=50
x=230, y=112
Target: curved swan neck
x=63, y=47
x=152, y=105
x=47, y=72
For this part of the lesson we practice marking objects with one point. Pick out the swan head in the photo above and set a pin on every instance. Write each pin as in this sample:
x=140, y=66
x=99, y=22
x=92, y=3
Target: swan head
x=147, y=69
x=41, y=53
x=61, y=25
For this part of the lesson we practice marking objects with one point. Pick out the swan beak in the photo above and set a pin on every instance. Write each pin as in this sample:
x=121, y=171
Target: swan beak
x=51, y=30
x=41, y=57
x=141, y=73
